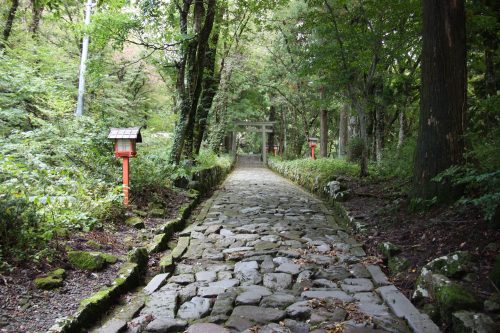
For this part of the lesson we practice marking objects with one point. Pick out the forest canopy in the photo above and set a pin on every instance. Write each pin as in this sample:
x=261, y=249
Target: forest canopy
x=352, y=73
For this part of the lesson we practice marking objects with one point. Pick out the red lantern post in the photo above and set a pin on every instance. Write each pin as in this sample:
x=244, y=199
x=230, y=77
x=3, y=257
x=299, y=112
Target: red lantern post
x=313, y=143
x=125, y=147
x=275, y=148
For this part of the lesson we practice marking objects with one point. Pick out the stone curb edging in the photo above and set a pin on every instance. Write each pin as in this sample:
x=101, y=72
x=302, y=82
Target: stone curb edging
x=132, y=272
x=397, y=302
x=129, y=276
x=167, y=262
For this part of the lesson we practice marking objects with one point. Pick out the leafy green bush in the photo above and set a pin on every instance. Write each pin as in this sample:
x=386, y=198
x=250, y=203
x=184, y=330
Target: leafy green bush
x=18, y=225
x=398, y=163
x=58, y=177
x=151, y=168
x=481, y=189
x=207, y=159
x=355, y=149
x=314, y=174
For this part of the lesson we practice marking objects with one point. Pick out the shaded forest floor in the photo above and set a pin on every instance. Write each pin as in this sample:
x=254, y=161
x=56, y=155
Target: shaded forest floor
x=24, y=308
x=425, y=235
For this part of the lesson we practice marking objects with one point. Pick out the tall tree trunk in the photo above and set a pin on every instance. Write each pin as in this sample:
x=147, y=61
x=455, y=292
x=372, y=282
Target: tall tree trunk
x=343, y=131
x=195, y=55
x=323, y=152
x=181, y=98
x=491, y=41
x=363, y=163
x=401, y=133
x=282, y=137
x=379, y=133
x=210, y=84
x=440, y=141
x=36, y=12
x=8, y=23
x=219, y=109
x=489, y=74
x=270, y=137
x=363, y=133
x=198, y=71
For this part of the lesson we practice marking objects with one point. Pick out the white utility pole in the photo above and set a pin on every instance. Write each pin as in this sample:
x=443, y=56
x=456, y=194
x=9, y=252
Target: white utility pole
x=83, y=63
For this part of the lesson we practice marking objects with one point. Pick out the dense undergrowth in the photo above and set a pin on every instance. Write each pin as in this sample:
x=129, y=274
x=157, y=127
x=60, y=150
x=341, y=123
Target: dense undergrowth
x=479, y=178
x=58, y=173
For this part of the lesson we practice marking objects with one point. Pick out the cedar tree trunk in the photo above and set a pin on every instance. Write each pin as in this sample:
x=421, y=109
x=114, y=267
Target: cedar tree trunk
x=440, y=141
x=323, y=152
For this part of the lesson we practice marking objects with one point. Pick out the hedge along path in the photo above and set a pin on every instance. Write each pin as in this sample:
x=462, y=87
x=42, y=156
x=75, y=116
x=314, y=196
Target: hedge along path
x=268, y=257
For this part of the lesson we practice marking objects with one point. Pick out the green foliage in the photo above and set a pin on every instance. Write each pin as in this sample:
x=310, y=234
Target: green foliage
x=324, y=167
x=314, y=174
x=58, y=173
x=208, y=159
x=150, y=170
x=56, y=178
x=355, y=149
x=481, y=188
x=18, y=224
x=420, y=204
x=398, y=163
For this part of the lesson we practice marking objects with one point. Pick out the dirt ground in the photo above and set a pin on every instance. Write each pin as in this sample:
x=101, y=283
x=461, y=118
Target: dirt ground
x=24, y=308
x=423, y=236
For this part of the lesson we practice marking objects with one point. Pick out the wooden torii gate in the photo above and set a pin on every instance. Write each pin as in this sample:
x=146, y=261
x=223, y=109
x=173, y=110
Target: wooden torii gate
x=264, y=127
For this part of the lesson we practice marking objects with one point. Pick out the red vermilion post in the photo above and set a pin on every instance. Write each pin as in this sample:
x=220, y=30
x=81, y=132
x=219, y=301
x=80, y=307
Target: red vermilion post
x=313, y=147
x=125, y=141
x=125, y=180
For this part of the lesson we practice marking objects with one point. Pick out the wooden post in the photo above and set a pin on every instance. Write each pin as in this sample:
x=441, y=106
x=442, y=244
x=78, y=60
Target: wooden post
x=125, y=181
x=264, y=155
x=323, y=148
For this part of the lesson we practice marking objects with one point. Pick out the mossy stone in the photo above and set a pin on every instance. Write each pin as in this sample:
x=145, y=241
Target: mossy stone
x=455, y=264
x=135, y=222
x=167, y=263
x=472, y=322
x=388, y=249
x=140, y=213
x=97, y=297
x=127, y=269
x=495, y=272
x=492, y=304
x=91, y=261
x=139, y=256
x=48, y=282
x=157, y=212
x=193, y=193
x=93, y=244
x=109, y=258
x=453, y=297
x=398, y=264
x=159, y=243
x=59, y=273
x=432, y=311
x=128, y=242
x=119, y=281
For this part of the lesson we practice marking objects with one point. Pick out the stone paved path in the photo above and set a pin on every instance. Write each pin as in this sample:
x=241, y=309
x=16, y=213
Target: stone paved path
x=268, y=257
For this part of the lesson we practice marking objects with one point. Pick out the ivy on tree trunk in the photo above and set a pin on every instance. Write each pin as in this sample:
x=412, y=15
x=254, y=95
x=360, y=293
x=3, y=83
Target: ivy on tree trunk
x=8, y=23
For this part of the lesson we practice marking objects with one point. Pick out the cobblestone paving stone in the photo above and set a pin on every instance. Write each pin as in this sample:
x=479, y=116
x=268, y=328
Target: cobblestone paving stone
x=269, y=258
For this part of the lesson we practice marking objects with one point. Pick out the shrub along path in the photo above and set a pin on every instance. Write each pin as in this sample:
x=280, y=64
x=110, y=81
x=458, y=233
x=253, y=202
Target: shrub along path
x=269, y=257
